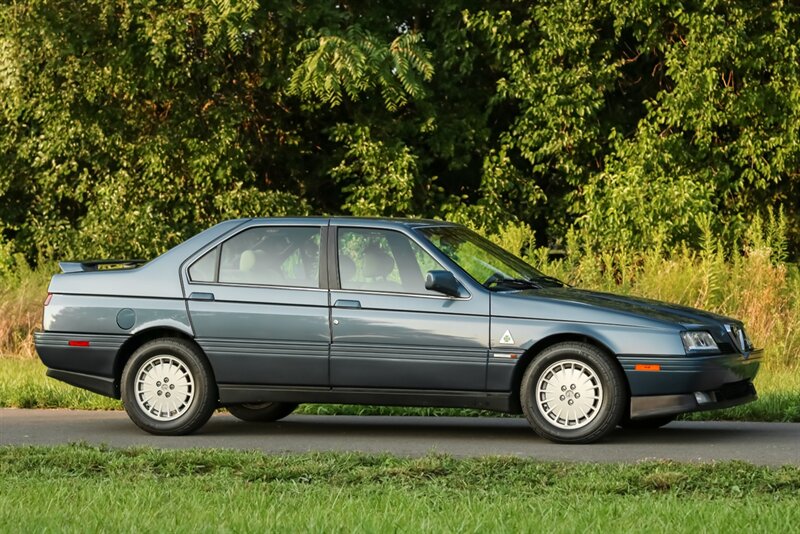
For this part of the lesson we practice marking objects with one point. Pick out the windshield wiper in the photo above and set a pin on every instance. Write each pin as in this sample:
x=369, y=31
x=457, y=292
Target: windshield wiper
x=552, y=280
x=526, y=283
x=515, y=283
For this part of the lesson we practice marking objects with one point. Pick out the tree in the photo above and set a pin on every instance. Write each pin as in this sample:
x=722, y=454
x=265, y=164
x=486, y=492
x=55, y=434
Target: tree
x=125, y=127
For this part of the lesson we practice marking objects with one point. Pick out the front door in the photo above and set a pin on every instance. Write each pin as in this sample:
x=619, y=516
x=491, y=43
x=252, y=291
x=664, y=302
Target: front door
x=388, y=331
x=258, y=309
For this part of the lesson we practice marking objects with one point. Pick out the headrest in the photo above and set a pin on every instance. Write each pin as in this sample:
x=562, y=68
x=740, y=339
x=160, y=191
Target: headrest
x=247, y=260
x=377, y=263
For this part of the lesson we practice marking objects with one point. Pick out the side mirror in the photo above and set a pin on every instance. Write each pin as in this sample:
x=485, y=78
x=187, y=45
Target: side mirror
x=444, y=282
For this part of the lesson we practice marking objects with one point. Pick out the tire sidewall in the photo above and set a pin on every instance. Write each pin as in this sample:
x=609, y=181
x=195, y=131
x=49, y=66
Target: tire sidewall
x=611, y=380
x=204, y=399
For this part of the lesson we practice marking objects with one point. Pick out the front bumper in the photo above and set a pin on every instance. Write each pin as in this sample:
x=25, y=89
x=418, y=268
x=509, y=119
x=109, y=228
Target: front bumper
x=681, y=384
x=688, y=374
x=658, y=405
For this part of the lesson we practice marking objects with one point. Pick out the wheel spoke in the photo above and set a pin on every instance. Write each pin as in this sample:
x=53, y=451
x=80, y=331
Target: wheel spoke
x=174, y=379
x=578, y=403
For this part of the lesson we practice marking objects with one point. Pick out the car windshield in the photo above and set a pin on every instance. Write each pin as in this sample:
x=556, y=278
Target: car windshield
x=484, y=261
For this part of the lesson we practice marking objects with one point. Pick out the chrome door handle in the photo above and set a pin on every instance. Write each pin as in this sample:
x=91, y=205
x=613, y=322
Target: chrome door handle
x=201, y=296
x=347, y=304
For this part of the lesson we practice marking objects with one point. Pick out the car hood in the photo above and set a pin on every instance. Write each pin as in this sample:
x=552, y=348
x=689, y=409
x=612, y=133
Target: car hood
x=594, y=306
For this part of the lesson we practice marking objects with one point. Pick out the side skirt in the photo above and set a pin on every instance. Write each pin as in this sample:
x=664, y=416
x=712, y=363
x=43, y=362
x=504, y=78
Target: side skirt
x=238, y=393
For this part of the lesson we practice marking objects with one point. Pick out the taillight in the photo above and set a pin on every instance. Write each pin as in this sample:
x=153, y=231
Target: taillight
x=47, y=299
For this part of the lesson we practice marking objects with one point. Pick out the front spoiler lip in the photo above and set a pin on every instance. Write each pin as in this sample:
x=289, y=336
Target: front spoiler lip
x=659, y=405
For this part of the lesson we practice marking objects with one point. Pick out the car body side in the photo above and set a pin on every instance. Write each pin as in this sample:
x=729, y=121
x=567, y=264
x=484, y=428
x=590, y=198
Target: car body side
x=95, y=320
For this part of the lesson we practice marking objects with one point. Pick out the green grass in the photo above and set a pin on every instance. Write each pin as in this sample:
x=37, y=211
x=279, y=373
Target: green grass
x=82, y=488
x=23, y=384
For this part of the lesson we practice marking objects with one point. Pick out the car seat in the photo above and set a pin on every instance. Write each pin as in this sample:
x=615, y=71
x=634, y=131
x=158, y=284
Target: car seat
x=256, y=267
x=377, y=266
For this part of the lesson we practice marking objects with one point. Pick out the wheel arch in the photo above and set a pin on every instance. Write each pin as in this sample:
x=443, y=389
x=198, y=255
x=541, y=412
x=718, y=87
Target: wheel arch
x=140, y=338
x=530, y=354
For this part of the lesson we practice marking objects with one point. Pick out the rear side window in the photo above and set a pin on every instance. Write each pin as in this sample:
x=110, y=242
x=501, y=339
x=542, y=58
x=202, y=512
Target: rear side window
x=205, y=269
x=272, y=256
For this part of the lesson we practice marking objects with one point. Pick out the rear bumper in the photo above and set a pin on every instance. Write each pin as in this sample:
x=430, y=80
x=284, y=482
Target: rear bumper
x=97, y=384
x=89, y=365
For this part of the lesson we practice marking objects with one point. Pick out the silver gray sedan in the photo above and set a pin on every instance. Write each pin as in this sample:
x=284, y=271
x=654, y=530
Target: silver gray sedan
x=259, y=315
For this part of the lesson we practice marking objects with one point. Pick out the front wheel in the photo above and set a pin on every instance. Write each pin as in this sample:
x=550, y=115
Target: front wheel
x=168, y=387
x=263, y=412
x=573, y=393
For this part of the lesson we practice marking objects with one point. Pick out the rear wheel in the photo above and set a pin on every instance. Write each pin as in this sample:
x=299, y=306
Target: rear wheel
x=650, y=423
x=573, y=393
x=168, y=387
x=262, y=412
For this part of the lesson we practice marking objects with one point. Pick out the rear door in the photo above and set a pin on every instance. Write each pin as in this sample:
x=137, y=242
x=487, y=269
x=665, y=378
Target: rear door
x=258, y=308
x=388, y=330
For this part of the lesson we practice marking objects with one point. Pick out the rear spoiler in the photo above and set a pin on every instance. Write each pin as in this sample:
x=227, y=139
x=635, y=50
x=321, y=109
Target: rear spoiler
x=94, y=265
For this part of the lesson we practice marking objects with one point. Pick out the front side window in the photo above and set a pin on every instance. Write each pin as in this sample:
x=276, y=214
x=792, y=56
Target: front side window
x=382, y=260
x=484, y=261
x=272, y=256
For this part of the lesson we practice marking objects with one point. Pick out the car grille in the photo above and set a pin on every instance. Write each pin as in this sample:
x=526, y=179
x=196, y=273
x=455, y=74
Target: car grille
x=739, y=337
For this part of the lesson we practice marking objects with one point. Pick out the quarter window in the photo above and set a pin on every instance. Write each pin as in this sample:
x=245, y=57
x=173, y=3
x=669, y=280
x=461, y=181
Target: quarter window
x=204, y=269
x=273, y=256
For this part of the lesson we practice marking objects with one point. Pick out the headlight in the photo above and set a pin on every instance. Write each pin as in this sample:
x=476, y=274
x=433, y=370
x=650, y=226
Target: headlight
x=698, y=340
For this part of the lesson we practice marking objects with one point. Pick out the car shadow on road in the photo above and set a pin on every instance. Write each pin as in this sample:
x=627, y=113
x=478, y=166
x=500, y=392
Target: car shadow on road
x=473, y=429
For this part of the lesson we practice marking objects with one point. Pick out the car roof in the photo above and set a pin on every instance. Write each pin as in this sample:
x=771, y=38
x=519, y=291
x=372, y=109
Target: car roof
x=357, y=221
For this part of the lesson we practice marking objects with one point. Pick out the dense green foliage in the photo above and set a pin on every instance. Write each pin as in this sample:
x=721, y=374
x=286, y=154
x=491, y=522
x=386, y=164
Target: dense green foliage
x=82, y=488
x=126, y=126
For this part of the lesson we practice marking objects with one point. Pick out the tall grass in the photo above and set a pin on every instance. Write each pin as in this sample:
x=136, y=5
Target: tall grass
x=22, y=293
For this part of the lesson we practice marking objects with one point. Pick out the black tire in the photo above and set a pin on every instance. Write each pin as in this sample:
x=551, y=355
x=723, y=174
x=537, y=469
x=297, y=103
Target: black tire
x=650, y=423
x=263, y=412
x=199, y=391
x=606, y=378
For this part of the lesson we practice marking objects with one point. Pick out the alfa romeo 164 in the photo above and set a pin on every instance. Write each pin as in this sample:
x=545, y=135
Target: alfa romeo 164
x=259, y=315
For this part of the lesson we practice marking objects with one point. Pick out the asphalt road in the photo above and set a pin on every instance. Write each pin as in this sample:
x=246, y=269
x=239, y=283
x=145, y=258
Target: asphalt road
x=759, y=443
